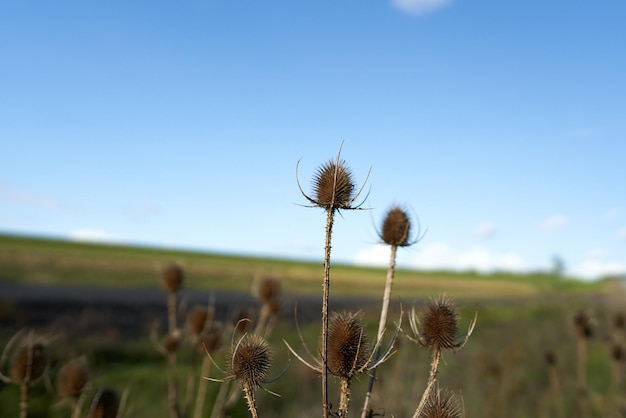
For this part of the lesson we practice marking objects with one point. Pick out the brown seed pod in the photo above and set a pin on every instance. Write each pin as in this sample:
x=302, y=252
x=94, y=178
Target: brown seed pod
x=617, y=352
x=73, y=378
x=619, y=321
x=269, y=290
x=196, y=320
x=30, y=363
x=440, y=323
x=173, y=278
x=550, y=357
x=441, y=404
x=582, y=323
x=171, y=342
x=333, y=186
x=211, y=340
x=396, y=227
x=347, y=344
x=250, y=360
x=243, y=321
x=105, y=404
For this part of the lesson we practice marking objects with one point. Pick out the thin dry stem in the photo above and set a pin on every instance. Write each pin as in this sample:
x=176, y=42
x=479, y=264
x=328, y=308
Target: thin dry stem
x=329, y=228
x=432, y=378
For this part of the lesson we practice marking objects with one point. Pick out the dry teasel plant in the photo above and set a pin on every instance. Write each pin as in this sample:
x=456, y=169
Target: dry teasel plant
x=584, y=331
x=441, y=404
x=73, y=381
x=29, y=364
x=334, y=190
x=556, y=395
x=437, y=330
x=349, y=354
x=396, y=231
x=107, y=403
x=249, y=361
x=268, y=291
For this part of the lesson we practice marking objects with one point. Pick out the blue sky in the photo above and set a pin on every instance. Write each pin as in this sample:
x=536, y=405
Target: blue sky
x=500, y=125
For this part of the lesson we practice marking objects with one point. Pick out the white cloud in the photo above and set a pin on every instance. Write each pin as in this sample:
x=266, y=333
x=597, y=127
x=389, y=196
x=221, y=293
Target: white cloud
x=440, y=256
x=94, y=235
x=553, y=222
x=486, y=229
x=595, y=265
x=419, y=7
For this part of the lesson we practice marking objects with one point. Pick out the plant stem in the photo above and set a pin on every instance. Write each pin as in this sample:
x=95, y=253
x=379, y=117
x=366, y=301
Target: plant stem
x=202, y=385
x=432, y=378
x=381, y=326
x=249, y=394
x=344, y=398
x=330, y=212
x=24, y=398
x=172, y=395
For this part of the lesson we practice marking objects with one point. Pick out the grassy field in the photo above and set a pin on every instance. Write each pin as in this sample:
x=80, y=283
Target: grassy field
x=31, y=260
x=501, y=372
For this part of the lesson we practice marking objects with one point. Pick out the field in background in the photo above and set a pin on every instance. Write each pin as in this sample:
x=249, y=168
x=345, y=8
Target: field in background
x=500, y=373
x=53, y=262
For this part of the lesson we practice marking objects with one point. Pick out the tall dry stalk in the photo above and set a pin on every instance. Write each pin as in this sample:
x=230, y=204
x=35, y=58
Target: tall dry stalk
x=334, y=190
x=396, y=232
x=556, y=395
x=438, y=330
x=584, y=332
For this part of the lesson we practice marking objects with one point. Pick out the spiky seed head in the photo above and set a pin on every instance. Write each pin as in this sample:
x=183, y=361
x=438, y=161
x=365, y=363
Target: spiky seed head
x=441, y=404
x=617, y=352
x=333, y=186
x=440, y=323
x=582, y=323
x=619, y=321
x=29, y=363
x=250, y=361
x=347, y=344
x=243, y=321
x=173, y=278
x=73, y=378
x=211, y=339
x=269, y=289
x=105, y=404
x=171, y=342
x=396, y=227
x=196, y=320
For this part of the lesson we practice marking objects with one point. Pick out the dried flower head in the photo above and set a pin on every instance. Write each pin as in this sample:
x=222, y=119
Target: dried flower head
x=73, y=378
x=171, y=342
x=333, y=185
x=396, y=227
x=619, y=321
x=210, y=340
x=105, y=404
x=550, y=357
x=173, y=278
x=441, y=404
x=196, y=320
x=250, y=361
x=582, y=324
x=243, y=321
x=30, y=362
x=269, y=289
x=617, y=353
x=440, y=323
x=347, y=344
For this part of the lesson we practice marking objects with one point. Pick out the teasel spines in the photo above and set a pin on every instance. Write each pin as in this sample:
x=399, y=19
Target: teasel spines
x=29, y=363
x=250, y=361
x=440, y=323
x=347, y=344
x=73, y=378
x=396, y=228
x=334, y=186
x=441, y=404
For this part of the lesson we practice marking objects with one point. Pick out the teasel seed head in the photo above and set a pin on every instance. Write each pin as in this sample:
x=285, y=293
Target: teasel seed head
x=396, y=228
x=173, y=278
x=105, y=404
x=441, y=404
x=347, y=344
x=250, y=360
x=210, y=340
x=196, y=320
x=582, y=324
x=269, y=289
x=333, y=186
x=30, y=362
x=617, y=353
x=619, y=321
x=73, y=378
x=440, y=323
x=171, y=342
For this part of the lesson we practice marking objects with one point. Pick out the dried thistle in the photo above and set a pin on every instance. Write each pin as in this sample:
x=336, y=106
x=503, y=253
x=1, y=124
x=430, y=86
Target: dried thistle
x=196, y=320
x=396, y=228
x=441, y=404
x=73, y=378
x=334, y=189
x=173, y=278
x=268, y=289
x=439, y=331
x=249, y=361
x=30, y=363
x=106, y=404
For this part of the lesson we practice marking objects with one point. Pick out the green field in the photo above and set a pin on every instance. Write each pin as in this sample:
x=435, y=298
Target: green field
x=41, y=261
x=500, y=373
